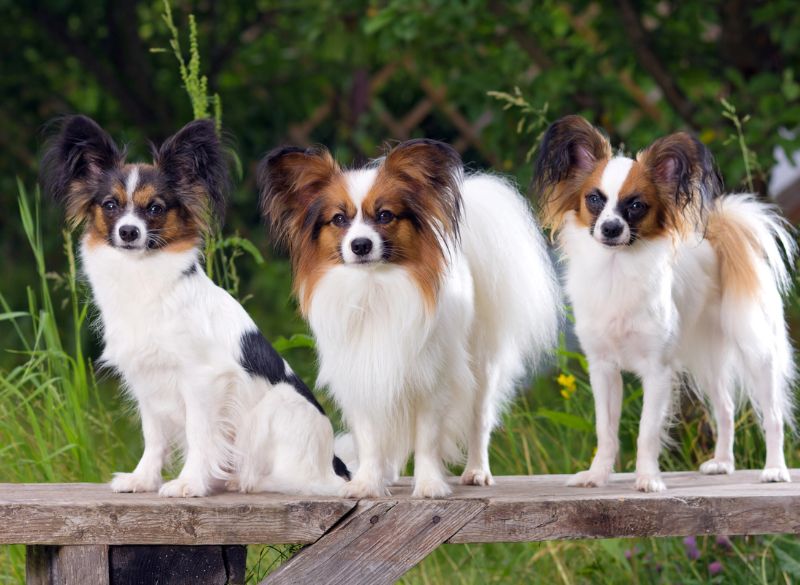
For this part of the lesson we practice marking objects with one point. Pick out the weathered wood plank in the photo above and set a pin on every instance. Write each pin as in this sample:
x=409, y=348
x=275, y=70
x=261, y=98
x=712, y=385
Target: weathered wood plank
x=377, y=543
x=525, y=511
x=92, y=514
x=516, y=509
x=67, y=565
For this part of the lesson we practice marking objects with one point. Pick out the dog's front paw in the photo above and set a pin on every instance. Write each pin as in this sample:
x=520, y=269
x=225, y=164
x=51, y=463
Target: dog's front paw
x=649, y=483
x=717, y=467
x=135, y=483
x=358, y=489
x=477, y=477
x=775, y=474
x=184, y=488
x=433, y=487
x=589, y=478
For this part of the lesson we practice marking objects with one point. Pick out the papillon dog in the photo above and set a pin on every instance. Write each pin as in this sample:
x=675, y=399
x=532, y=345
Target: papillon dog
x=672, y=281
x=428, y=295
x=203, y=377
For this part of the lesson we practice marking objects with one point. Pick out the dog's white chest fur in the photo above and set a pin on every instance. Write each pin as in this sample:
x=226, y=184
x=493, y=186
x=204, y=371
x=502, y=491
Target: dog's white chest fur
x=177, y=341
x=622, y=299
x=155, y=318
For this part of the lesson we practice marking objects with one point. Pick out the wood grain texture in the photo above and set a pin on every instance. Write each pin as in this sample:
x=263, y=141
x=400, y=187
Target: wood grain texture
x=92, y=514
x=377, y=543
x=518, y=508
x=534, y=509
x=67, y=565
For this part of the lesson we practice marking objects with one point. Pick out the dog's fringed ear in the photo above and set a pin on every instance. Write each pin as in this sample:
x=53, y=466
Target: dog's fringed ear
x=684, y=172
x=287, y=179
x=570, y=150
x=196, y=169
x=74, y=161
x=432, y=172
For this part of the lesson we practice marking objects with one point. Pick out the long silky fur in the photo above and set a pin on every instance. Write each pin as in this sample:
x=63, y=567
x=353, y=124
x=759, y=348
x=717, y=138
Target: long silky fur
x=416, y=363
x=202, y=376
x=74, y=161
x=699, y=300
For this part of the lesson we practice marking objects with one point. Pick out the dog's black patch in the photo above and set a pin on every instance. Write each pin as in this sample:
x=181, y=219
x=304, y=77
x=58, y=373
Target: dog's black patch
x=340, y=468
x=259, y=358
x=191, y=270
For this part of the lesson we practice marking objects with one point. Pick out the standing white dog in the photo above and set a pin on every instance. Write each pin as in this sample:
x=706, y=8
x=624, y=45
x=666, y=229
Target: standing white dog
x=427, y=295
x=665, y=277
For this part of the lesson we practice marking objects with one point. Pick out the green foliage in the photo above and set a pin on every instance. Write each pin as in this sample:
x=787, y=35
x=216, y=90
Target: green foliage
x=196, y=85
x=55, y=423
x=749, y=157
x=533, y=120
x=220, y=253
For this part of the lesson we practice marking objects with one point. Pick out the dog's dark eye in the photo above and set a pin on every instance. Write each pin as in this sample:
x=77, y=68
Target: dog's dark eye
x=595, y=202
x=155, y=209
x=339, y=220
x=384, y=216
x=636, y=209
x=110, y=205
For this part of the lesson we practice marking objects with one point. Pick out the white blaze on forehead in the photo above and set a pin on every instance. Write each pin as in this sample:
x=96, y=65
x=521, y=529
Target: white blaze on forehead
x=132, y=181
x=358, y=185
x=129, y=217
x=614, y=176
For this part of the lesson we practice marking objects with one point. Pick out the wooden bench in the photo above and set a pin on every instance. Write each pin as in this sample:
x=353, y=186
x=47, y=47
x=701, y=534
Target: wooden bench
x=82, y=533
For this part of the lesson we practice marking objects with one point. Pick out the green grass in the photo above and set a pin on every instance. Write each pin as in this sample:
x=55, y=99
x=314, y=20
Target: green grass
x=59, y=422
x=56, y=421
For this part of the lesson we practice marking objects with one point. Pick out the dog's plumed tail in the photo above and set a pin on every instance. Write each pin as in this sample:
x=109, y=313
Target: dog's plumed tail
x=756, y=250
x=517, y=298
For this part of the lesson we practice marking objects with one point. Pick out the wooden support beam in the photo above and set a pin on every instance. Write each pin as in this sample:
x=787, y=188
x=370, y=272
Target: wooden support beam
x=67, y=565
x=377, y=543
x=135, y=564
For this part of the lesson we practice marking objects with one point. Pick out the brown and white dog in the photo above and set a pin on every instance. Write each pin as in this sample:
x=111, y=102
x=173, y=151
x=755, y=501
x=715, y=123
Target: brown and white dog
x=666, y=277
x=427, y=294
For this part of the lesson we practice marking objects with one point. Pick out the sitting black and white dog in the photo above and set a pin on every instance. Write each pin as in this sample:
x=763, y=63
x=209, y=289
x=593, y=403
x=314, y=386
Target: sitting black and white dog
x=203, y=377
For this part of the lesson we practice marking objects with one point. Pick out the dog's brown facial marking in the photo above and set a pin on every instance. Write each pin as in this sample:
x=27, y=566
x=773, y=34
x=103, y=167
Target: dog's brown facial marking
x=169, y=205
x=319, y=245
x=134, y=211
x=408, y=215
x=572, y=157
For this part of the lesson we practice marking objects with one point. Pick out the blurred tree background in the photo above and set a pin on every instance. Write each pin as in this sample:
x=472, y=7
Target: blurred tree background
x=354, y=75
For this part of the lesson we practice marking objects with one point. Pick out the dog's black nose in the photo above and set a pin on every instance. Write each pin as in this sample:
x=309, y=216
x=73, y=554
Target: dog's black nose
x=611, y=229
x=361, y=246
x=128, y=233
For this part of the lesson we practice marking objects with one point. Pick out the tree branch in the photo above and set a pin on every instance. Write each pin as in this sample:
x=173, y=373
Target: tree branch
x=651, y=63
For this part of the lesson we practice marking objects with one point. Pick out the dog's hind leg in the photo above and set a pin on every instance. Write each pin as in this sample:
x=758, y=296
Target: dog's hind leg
x=716, y=382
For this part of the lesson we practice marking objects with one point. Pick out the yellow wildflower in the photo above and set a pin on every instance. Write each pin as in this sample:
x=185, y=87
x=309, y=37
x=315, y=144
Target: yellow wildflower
x=568, y=386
